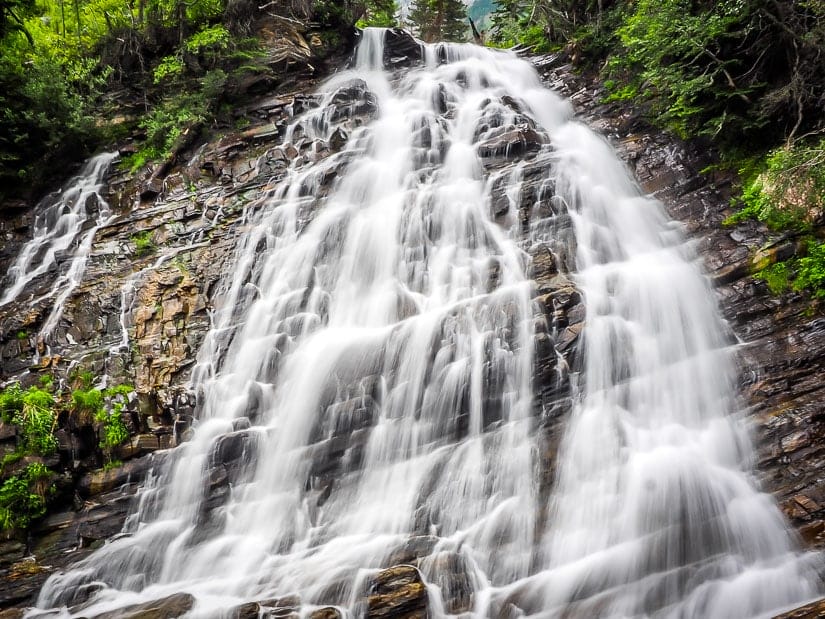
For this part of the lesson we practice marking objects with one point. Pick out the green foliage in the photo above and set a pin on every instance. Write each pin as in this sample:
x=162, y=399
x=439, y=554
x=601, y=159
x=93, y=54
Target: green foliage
x=785, y=187
x=674, y=51
x=777, y=276
x=115, y=432
x=379, y=14
x=44, y=117
x=209, y=39
x=169, y=67
x=11, y=458
x=91, y=404
x=38, y=422
x=805, y=272
x=143, y=243
x=32, y=412
x=11, y=402
x=46, y=381
x=23, y=497
x=87, y=402
x=810, y=270
x=545, y=25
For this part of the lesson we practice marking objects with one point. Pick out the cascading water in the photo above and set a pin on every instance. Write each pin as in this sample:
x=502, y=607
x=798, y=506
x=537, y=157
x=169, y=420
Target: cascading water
x=62, y=226
x=367, y=380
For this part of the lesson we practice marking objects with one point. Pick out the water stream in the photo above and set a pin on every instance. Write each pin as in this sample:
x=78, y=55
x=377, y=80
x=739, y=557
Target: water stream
x=64, y=227
x=366, y=385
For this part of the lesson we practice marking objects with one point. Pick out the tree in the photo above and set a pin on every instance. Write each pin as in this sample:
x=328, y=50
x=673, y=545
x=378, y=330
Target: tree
x=13, y=14
x=379, y=13
x=439, y=20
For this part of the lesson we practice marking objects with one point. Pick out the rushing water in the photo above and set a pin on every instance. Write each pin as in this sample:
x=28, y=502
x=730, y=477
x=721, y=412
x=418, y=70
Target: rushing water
x=64, y=228
x=370, y=362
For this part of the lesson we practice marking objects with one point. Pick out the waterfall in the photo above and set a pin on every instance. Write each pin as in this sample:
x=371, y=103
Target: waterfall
x=64, y=227
x=366, y=385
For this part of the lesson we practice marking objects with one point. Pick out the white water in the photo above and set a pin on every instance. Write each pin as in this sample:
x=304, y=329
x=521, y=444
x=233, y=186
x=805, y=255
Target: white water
x=372, y=314
x=61, y=227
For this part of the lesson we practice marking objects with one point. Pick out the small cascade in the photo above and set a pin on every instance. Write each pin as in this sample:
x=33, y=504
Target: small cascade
x=63, y=230
x=366, y=392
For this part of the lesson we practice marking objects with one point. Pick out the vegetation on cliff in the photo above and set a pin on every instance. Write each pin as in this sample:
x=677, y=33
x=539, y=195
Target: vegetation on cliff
x=35, y=414
x=745, y=76
x=76, y=76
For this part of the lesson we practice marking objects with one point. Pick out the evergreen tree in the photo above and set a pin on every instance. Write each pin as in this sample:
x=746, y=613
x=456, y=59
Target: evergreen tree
x=379, y=13
x=439, y=20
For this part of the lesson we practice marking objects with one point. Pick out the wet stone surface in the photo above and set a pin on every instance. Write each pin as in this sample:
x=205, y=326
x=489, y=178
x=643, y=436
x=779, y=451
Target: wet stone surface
x=781, y=351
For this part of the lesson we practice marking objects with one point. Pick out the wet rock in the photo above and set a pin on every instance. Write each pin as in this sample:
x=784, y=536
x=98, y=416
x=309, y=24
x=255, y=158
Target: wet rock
x=151, y=188
x=134, y=471
x=512, y=142
x=413, y=549
x=286, y=607
x=450, y=572
x=397, y=592
x=401, y=49
x=170, y=607
x=814, y=610
x=351, y=100
x=338, y=140
x=250, y=610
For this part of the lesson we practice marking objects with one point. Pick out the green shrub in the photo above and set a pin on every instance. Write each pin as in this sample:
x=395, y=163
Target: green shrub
x=114, y=431
x=143, y=243
x=784, y=188
x=86, y=403
x=777, y=276
x=23, y=497
x=169, y=67
x=11, y=402
x=210, y=39
x=810, y=270
x=32, y=411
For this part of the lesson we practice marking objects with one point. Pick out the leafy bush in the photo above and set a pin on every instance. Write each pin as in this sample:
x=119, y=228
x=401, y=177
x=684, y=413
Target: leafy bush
x=32, y=411
x=169, y=67
x=379, y=13
x=143, y=243
x=210, y=39
x=786, y=189
x=86, y=403
x=23, y=497
x=11, y=402
x=810, y=270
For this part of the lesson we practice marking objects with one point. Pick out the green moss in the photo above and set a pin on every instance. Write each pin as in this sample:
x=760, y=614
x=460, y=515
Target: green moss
x=143, y=243
x=776, y=276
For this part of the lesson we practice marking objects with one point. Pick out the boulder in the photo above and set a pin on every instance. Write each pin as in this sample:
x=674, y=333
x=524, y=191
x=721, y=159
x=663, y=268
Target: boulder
x=510, y=142
x=401, y=49
x=814, y=610
x=397, y=592
x=170, y=607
